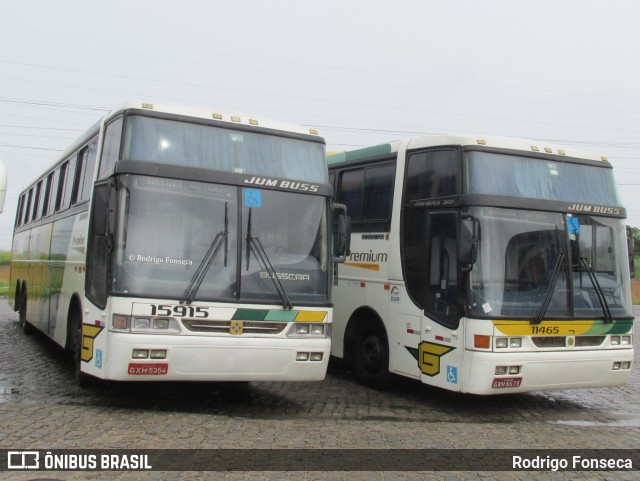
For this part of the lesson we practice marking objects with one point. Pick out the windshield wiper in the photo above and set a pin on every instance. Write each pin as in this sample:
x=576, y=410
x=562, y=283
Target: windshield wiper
x=552, y=284
x=254, y=245
x=598, y=290
x=221, y=238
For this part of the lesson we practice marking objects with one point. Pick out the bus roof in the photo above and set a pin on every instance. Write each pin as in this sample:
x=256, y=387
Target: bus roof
x=213, y=115
x=216, y=114
x=464, y=140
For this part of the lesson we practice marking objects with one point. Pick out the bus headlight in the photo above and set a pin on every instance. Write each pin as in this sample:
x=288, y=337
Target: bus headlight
x=501, y=342
x=309, y=330
x=145, y=325
x=625, y=340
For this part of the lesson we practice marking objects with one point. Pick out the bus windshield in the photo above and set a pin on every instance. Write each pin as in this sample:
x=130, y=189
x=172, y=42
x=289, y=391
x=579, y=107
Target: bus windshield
x=204, y=146
x=517, y=176
x=167, y=230
x=519, y=250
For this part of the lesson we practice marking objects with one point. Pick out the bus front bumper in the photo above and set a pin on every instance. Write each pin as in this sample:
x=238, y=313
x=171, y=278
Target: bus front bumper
x=543, y=371
x=204, y=358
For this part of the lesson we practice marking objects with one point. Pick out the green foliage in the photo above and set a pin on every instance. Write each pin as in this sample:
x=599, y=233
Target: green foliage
x=5, y=258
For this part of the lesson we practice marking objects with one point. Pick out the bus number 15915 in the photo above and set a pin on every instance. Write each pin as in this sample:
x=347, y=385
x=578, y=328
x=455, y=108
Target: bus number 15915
x=179, y=311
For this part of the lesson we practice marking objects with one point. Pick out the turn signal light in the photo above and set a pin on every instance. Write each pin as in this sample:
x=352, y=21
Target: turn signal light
x=481, y=342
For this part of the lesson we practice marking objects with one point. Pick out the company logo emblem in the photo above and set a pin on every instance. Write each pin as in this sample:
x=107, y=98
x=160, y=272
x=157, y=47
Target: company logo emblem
x=236, y=328
x=23, y=460
x=429, y=357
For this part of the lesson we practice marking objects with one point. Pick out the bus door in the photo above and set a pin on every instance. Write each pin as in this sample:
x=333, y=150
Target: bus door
x=440, y=352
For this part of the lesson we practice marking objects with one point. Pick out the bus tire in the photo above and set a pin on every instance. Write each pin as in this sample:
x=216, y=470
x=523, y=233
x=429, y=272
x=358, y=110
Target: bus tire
x=22, y=314
x=75, y=337
x=371, y=357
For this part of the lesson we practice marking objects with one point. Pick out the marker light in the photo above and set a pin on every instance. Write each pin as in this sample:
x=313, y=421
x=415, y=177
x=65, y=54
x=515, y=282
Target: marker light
x=158, y=354
x=140, y=354
x=481, y=342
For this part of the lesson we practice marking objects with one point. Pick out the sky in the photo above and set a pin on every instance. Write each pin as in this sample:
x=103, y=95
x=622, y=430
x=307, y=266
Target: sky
x=563, y=72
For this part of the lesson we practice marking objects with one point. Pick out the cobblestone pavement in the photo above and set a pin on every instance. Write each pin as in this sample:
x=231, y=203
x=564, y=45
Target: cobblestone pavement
x=41, y=408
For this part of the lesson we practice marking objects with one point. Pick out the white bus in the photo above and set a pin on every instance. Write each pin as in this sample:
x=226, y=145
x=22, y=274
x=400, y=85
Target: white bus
x=169, y=243
x=482, y=265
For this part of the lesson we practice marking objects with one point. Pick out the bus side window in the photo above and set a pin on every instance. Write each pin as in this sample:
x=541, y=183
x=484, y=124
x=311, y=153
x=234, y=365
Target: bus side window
x=27, y=211
x=60, y=193
x=47, y=207
x=36, y=202
x=110, y=148
x=89, y=153
x=351, y=193
x=65, y=185
x=20, y=210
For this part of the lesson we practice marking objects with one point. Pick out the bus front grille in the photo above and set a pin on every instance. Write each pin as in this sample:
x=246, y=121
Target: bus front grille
x=233, y=327
x=561, y=341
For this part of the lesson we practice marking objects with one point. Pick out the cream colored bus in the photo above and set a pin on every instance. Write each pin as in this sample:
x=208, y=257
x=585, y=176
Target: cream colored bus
x=171, y=243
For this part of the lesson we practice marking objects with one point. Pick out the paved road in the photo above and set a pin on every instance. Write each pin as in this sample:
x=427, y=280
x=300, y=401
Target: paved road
x=41, y=408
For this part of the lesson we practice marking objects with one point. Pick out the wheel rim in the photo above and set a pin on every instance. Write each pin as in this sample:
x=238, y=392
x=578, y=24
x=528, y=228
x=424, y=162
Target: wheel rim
x=372, y=353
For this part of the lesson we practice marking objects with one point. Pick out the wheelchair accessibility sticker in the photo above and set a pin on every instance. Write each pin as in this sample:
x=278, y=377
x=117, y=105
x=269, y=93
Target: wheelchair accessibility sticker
x=252, y=198
x=452, y=374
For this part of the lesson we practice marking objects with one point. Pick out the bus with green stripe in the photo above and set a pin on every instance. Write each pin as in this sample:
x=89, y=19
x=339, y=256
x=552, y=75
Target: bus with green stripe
x=482, y=265
x=182, y=244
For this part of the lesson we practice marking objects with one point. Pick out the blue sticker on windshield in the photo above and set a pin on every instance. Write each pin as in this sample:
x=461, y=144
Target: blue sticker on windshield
x=252, y=198
x=573, y=225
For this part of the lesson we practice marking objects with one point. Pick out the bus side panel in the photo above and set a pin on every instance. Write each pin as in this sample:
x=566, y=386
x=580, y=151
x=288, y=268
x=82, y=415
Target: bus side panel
x=68, y=247
x=19, y=264
x=38, y=287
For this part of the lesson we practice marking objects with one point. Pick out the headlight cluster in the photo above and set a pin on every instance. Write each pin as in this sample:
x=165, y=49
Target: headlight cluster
x=621, y=340
x=508, y=342
x=146, y=325
x=309, y=330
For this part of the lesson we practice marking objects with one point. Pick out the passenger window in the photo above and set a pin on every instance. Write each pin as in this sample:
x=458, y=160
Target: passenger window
x=46, y=206
x=432, y=174
x=27, y=211
x=89, y=155
x=65, y=185
x=367, y=193
x=351, y=193
x=36, y=202
x=20, y=210
x=110, y=148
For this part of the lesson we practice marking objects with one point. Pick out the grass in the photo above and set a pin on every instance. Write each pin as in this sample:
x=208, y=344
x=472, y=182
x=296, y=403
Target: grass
x=5, y=260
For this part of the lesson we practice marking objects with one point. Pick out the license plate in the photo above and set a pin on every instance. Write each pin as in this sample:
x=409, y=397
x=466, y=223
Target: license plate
x=500, y=383
x=143, y=369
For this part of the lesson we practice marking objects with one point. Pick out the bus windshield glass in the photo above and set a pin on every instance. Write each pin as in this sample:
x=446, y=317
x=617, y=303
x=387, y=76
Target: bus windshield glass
x=204, y=146
x=519, y=251
x=168, y=230
x=512, y=175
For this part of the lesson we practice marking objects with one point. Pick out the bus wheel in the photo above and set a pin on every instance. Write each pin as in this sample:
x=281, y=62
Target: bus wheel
x=22, y=315
x=75, y=323
x=371, y=358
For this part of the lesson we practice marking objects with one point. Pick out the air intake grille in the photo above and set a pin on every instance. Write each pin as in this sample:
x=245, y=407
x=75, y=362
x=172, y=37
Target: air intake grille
x=224, y=327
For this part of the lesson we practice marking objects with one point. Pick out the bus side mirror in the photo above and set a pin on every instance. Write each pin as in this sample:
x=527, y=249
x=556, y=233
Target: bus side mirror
x=468, y=242
x=342, y=233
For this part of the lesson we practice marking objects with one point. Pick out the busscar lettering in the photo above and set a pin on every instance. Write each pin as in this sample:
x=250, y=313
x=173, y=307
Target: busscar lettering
x=283, y=276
